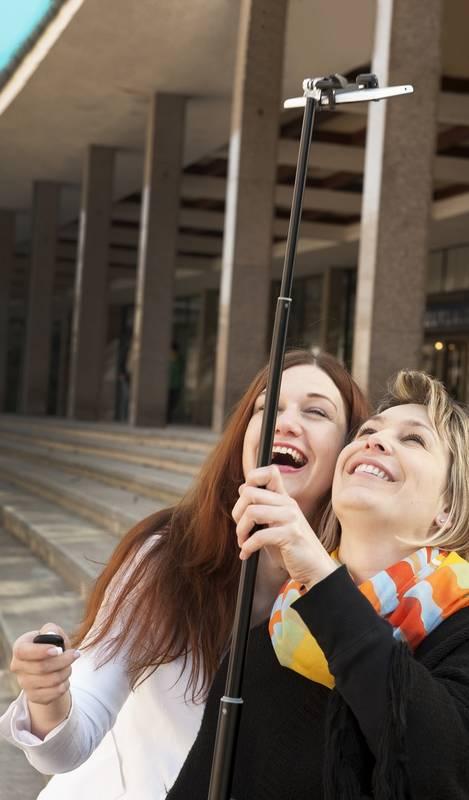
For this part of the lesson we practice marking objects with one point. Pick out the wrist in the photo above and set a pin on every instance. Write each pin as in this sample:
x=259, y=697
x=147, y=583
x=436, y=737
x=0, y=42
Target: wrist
x=44, y=718
x=320, y=575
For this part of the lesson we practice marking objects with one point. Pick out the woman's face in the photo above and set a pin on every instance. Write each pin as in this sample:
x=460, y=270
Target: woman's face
x=309, y=434
x=396, y=471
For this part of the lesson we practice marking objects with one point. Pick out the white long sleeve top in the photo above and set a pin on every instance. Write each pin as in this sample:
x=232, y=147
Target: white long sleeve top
x=115, y=743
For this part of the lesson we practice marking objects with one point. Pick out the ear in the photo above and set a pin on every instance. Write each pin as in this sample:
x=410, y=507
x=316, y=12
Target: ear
x=442, y=519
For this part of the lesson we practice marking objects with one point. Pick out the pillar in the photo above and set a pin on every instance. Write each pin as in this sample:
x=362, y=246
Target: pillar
x=90, y=303
x=150, y=357
x=397, y=194
x=252, y=167
x=37, y=347
x=7, y=248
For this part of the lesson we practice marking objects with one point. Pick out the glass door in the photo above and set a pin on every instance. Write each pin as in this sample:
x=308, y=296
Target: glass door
x=446, y=359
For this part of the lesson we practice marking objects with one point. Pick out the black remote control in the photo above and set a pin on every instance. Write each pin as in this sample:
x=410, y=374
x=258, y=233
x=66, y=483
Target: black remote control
x=50, y=638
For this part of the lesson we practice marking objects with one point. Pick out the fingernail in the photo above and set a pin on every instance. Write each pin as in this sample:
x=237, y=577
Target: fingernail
x=54, y=651
x=76, y=653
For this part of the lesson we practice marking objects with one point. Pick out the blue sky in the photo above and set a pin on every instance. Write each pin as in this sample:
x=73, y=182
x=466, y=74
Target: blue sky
x=18, y=19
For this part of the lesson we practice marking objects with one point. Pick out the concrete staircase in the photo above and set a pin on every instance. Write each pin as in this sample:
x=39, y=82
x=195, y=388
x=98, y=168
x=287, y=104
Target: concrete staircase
x=68, y=491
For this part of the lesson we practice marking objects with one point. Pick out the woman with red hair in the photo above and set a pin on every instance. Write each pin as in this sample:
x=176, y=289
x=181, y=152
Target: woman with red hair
x=158, y=621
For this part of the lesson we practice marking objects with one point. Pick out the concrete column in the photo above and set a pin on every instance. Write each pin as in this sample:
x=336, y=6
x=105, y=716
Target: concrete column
x=247, y=244
x=7, y=255
x=90, y=309
x=37, y=347
x=397, y=194
x=157, y=261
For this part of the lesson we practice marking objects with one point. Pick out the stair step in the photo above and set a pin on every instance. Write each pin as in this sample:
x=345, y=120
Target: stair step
x=187, y=438
x=161, y=485
x=73, y=549
x=111, y=508
x=173, y=460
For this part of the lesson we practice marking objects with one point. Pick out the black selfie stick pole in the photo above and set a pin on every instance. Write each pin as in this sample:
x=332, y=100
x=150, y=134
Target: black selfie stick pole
x=318, y=92
x=231, y=703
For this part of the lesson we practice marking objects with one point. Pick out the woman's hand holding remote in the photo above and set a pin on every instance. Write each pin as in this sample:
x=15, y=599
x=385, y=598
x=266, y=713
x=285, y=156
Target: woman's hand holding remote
x=43, y=671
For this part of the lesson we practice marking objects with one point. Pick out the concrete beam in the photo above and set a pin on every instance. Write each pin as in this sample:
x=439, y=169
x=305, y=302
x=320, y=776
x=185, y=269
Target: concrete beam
x=321, y=200
x=452, y=108
x=347, y=158
x=127, y=237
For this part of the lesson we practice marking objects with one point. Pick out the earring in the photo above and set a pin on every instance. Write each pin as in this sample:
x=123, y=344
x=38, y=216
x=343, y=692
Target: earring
x=441, y=519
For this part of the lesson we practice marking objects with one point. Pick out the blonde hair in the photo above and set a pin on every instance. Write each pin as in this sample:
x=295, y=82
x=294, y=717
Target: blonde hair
x=451, y=422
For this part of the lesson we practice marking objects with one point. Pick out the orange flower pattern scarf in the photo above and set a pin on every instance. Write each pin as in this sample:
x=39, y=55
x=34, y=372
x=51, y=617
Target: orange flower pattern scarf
x=414, y=596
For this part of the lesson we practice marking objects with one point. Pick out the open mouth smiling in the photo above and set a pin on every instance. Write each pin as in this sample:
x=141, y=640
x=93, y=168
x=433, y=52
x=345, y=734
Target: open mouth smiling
x=370, y=468
x=288, y=457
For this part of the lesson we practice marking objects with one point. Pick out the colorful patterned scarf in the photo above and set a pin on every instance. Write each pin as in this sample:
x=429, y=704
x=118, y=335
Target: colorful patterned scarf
x=415, y=596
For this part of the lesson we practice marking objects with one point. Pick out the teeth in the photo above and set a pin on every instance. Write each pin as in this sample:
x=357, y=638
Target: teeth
x=372, y=470
x=291, y=452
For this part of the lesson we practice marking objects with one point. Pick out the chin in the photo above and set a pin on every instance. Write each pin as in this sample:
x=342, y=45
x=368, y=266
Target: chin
x=355, y=498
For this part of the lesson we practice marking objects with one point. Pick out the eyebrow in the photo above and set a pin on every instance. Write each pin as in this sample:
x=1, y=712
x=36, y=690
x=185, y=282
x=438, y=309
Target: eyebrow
x=311, y=395
x=411, y=423
x=321, y=397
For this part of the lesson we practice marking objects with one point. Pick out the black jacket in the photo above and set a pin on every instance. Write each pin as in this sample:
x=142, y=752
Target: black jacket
x=396, y=727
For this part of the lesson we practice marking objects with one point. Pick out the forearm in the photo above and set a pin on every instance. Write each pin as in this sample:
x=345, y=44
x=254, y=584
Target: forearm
x=44, y=718
x=97, y=695
x=62, y=749
x=358, y=646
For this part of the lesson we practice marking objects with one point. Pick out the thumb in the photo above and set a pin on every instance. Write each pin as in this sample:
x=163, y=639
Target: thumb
x=275, y=483
x=51, y=627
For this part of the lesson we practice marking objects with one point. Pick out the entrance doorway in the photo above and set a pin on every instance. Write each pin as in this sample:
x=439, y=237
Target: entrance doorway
x=446, y=358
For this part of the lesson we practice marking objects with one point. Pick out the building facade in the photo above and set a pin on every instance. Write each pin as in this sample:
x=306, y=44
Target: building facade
x=145, y=193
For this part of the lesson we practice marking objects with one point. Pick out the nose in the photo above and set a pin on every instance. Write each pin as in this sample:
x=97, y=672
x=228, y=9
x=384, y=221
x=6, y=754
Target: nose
x=377, y=441
x=288, y=422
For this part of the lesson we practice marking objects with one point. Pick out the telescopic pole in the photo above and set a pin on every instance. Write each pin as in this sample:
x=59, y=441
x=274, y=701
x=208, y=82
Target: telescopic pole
x=231, y=702
x=318, y=93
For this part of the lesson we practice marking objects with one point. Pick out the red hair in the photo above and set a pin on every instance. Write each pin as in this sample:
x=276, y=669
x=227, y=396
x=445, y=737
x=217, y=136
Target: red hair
x=184, y=587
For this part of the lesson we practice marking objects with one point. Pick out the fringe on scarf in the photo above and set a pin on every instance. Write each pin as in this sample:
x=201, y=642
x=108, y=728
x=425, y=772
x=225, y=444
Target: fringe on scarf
x=390, y=781
x=342, y=749
x=345, y=749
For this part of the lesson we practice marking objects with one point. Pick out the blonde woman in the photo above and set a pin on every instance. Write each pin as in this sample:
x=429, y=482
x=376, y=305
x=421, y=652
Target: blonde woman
x=359, y=687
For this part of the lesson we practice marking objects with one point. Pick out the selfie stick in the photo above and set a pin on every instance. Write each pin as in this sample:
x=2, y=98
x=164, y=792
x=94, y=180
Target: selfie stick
x=319, y=94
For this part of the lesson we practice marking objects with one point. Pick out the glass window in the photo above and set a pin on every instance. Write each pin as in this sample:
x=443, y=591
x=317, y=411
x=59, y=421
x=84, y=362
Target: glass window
x=446, y=359
x=435, y=272
x=304, y=326
x=457, y=269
